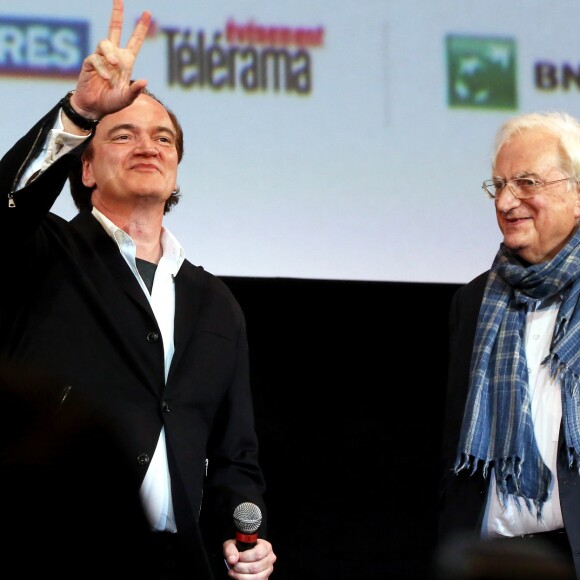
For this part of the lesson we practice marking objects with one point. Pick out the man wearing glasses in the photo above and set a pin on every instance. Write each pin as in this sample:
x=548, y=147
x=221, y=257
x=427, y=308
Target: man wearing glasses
x=511, y=447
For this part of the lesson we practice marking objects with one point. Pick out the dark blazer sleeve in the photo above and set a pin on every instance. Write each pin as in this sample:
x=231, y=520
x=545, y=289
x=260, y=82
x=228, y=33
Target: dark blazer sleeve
x=461, y=495
x=22, y=211
x=234, y=474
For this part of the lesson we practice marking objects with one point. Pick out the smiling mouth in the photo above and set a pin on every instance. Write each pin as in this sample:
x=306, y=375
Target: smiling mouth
x=515, y=219
x=146, y=166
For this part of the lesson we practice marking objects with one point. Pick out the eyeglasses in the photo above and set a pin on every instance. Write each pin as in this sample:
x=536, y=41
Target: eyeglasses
x=521, y=187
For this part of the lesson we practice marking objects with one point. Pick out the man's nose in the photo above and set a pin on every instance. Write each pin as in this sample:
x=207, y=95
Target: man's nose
x=146, y=146
x=506, y=199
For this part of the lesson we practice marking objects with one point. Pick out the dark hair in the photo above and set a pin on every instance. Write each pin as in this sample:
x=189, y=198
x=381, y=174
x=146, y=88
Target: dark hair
x=82, y=194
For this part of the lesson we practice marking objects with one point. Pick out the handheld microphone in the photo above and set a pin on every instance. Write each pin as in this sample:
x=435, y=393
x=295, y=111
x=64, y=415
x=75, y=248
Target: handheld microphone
x=247, y=519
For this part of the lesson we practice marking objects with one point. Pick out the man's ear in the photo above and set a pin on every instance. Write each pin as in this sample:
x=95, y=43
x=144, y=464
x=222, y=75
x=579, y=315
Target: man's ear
x=87, y=174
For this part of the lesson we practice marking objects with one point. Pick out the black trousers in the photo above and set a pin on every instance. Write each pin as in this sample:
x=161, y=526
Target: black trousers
x=548, y=551
x=543, y=556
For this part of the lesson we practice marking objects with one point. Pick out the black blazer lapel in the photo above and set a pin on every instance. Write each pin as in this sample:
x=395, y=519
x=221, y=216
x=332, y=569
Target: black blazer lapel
x=111, y=280
x=190, y=285
x=103, y=252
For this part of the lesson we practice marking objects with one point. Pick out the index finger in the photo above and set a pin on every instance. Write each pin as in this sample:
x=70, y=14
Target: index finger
x=116, y=23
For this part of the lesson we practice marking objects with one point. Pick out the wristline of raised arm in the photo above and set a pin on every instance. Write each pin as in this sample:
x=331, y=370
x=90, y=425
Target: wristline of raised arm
x=81, y=122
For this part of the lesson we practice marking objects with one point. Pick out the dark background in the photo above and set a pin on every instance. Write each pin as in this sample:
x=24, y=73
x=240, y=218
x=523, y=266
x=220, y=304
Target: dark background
x=349, y=387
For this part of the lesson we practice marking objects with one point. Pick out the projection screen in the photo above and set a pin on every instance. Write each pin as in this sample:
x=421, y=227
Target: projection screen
x=323, y=140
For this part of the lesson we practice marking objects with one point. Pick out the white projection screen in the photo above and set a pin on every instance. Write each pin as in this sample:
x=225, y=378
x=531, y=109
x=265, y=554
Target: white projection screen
x=323, y=140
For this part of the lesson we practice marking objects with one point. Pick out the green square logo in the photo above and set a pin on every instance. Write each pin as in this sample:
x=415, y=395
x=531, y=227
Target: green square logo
x=481, y=73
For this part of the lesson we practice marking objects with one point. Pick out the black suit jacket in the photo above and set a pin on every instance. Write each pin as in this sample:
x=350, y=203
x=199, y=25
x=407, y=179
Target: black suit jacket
x=70, y=307
x=463, y=496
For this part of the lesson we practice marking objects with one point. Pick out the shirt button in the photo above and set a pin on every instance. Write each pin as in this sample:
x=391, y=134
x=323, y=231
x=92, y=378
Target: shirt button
x=536, y=336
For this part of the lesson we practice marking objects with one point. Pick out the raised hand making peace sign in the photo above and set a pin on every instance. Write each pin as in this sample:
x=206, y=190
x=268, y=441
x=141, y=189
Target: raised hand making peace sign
x=104, y=85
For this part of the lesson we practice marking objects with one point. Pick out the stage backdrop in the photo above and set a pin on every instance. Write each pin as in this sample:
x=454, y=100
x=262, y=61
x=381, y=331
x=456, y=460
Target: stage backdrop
x=324, y=140
x=349, y=387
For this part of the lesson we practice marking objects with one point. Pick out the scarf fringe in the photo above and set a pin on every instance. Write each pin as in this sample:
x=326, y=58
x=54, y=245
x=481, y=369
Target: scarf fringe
x=560, y=371
x=508, y=472
x=570, y=383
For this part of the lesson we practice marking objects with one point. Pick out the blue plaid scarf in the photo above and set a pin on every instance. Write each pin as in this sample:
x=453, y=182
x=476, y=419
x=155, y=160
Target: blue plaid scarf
x=497, y=426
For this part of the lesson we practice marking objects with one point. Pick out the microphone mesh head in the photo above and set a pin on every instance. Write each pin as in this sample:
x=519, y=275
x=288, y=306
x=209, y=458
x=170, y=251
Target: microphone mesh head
x=247, y=517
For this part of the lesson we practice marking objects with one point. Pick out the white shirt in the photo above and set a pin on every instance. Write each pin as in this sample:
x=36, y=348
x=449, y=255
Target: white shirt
x=546, y=408
x=155, y=490
x=156, y=487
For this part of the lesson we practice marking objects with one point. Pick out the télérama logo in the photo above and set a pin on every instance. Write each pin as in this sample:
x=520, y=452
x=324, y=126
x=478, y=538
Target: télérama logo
x=481, y=72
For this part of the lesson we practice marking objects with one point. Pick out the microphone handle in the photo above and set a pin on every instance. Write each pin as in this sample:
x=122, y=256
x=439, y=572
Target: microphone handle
x=246, y=541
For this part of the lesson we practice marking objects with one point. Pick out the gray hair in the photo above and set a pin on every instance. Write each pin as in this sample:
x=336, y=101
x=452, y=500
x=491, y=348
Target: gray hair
x=559, y=124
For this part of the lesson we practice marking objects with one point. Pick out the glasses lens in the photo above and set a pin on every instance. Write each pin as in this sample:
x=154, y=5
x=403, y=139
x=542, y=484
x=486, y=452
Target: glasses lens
x=526, y=186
